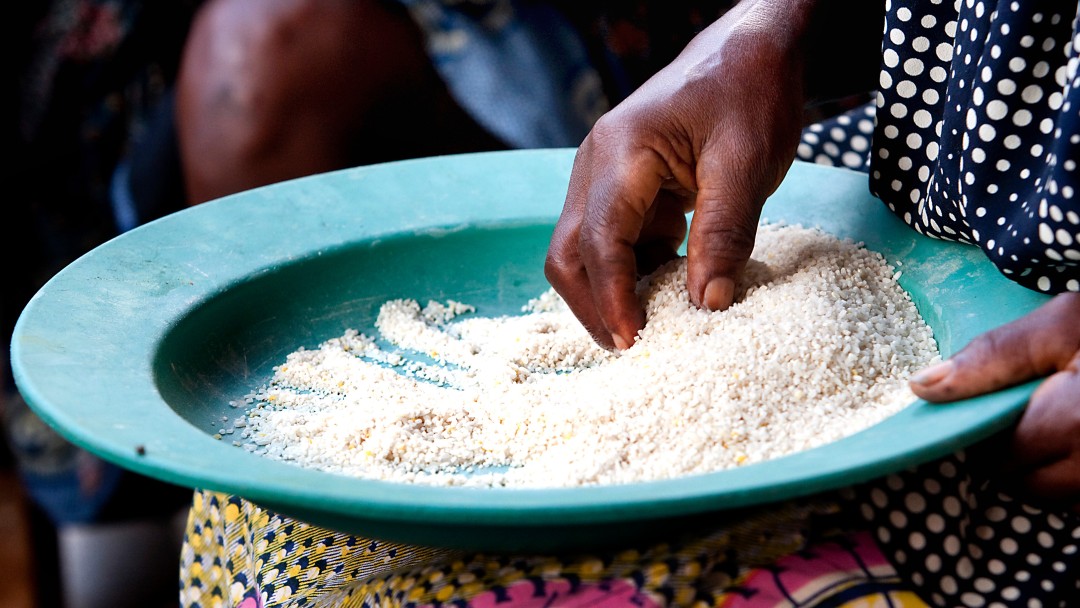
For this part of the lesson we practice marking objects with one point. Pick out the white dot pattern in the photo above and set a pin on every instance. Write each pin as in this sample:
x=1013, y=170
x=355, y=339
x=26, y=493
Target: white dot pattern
x=976, y=102
x=975, y=136
x=962, y=542
x=847, y=144
x=1013, y=93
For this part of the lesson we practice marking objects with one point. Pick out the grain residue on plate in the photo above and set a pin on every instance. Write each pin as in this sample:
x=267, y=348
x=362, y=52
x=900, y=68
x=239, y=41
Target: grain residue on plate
x=818, y=346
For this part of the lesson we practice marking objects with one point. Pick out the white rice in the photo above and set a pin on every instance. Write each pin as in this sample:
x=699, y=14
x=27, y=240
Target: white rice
x=818, y=346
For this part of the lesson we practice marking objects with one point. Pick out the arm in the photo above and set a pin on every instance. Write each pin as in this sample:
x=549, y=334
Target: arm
x=714, y=132
x=272, y=90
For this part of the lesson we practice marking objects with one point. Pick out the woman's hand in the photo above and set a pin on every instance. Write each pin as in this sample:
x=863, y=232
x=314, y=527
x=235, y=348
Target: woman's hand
x=1045, y=447
x=713, y=132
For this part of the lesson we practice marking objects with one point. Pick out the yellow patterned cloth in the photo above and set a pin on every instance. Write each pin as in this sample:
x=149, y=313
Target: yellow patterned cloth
x=237, y=554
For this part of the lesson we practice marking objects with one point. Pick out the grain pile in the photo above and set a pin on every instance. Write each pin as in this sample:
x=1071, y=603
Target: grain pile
x=818, y=346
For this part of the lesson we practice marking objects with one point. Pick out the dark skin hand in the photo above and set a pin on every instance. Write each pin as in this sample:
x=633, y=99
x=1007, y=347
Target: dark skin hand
x=1042, y=455
x=714, y=133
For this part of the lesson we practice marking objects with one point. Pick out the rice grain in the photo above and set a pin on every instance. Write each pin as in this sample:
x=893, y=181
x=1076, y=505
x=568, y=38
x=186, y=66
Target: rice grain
x=818, y=346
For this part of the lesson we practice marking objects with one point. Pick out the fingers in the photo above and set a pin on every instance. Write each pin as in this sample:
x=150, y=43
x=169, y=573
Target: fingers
x=592, y=260
x=1043, y=453
x=721, y=240
x=1040, y=458
x=724, y=226
x=565, y=272
x=1058, y=482
x=1050, y=426
x=1035, y=345
x=664, y=231
x=1046, y=442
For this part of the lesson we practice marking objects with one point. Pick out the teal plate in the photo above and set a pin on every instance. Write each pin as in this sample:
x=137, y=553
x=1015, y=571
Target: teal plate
x=134, y=350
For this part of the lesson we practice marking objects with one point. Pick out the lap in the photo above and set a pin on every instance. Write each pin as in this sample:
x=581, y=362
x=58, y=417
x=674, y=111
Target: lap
x=236, y=550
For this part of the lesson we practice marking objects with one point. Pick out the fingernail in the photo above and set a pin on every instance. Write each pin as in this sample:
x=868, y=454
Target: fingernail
x=719, y=294
x=620, y=344
x=933, y=374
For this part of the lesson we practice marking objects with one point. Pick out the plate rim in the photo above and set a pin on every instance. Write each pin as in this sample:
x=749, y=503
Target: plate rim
x=499, y=507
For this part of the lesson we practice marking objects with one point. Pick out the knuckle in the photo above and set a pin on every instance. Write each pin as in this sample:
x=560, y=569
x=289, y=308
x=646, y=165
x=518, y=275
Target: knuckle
x=597, y=245
x=609, y=133
x=984, y=346
x=561, y=262
x=557, y=269
x=728, y=235
x=734, y=239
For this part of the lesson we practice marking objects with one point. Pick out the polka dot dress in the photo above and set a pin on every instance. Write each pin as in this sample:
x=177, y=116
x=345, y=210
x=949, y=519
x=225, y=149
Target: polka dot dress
x=976, y=136
x=962, y=541
x=978, y=131
x=840, y=141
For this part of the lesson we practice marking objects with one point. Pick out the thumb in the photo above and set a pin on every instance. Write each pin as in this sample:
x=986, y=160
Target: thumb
x=1035, y=345
x=721, y=239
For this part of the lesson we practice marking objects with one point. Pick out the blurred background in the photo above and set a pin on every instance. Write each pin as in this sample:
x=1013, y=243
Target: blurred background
x=90, y=81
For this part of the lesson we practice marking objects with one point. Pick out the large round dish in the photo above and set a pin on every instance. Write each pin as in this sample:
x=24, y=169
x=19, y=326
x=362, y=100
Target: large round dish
x=134, y=351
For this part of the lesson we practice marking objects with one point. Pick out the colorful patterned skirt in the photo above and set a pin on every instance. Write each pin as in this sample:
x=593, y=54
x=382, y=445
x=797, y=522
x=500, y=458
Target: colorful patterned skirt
x=238, y=554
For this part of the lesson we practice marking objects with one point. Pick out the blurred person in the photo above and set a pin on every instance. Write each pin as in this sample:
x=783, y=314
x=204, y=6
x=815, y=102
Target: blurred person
x=90, y=75
x=261, y=97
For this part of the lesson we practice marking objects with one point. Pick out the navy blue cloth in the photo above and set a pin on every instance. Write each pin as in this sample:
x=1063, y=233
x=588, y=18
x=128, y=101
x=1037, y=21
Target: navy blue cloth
x=978, y=131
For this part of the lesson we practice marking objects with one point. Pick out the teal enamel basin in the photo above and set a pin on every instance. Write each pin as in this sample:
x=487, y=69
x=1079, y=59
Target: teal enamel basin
x=135, y=350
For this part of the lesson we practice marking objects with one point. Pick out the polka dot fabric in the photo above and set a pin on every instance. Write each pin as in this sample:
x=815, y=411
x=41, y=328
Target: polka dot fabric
x=989, y=93
x=978, y=131
x=840, y=141
x=961, y=541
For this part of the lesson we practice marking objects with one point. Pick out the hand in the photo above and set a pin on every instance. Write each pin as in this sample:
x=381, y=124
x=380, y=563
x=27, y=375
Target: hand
x=714, y=132
x=1045, y=446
